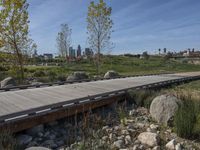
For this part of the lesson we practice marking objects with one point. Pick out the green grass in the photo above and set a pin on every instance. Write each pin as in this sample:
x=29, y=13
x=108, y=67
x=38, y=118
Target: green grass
x=187, y=117
x=122, y=64
x=194, y=85
x=142, y=98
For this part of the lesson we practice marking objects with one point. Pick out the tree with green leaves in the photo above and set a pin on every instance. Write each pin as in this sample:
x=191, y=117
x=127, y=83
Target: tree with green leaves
x=64, y=40
x=14, y=29
x=99, y=29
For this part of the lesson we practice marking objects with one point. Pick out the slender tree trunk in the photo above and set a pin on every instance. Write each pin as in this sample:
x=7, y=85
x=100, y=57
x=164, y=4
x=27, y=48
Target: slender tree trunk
x=98, y=56
x=20, y=61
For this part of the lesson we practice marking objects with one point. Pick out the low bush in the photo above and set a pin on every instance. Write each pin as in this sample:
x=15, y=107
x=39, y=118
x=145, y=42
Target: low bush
x=142, y=98
x=7, y=141
x=39, y=73
x=61, y=77
x=43, y=79
x=184, y=119
x=122, y=116
x=51, y=75
x=187, y=117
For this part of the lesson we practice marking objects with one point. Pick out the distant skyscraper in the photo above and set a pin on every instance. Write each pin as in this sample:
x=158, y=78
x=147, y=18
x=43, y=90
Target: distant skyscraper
x=79, y=51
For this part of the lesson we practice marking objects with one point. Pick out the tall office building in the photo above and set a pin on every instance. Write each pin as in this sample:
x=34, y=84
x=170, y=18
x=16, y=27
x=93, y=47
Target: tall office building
x=79, y=51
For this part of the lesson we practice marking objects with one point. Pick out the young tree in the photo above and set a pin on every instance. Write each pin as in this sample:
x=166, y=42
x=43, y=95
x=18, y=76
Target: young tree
x=64, y=40
x=14, y=30
x=99, y=29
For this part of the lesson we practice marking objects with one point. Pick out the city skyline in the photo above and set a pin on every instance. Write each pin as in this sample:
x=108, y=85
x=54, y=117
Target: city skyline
x=138, y=24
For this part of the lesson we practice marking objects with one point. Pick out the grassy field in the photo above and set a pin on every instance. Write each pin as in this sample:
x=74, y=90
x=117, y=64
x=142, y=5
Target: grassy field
x=125, y=66
x=122, y=64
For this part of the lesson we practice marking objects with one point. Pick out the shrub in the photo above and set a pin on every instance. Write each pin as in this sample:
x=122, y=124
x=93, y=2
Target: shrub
x=61, y=78
x=184, y=119
x=3, y=68
x=196, y=129
x=43, y=79
x=39, y=73
x=142, y=98
x=7, y=141
x=52, y=75
x=122, y=116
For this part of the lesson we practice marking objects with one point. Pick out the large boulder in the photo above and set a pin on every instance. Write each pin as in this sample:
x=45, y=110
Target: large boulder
x=148, y=138
x=79, y=75
x=8, y=82
x=111, y=74
x=37, y=148
x=163, y=108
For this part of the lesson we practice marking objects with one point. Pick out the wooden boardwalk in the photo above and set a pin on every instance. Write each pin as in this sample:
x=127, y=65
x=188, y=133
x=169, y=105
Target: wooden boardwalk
x=21, y=103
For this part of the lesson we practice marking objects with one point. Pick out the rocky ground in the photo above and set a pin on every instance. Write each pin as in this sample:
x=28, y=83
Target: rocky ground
x=140, y=132
x=134, y=131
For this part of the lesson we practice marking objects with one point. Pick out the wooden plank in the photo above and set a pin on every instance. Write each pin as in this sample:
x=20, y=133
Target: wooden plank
x=34, y=98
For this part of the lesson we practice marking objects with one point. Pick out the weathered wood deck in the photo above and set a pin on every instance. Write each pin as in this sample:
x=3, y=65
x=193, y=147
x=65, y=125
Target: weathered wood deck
x=22, y=103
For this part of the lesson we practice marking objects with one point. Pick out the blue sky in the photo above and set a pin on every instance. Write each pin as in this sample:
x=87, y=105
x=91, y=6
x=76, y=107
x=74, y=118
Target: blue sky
x=138, y=24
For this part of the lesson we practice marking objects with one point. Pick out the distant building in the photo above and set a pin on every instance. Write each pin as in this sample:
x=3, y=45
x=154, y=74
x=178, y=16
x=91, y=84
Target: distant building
x=48, y=56
x=89, y=52
x=72, y=53
x=79, y=51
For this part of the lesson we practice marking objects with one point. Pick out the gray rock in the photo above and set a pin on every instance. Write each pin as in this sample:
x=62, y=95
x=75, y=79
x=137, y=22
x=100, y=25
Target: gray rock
x=33, y=143
x=116, y=128
x=154, y=127
x=124, y=132
x=111, y=74
x=118, y=144
x=132, y=112
x=136, y=147
x=50, y=143
x=46, y=134
x=8, y=82
x=37, y=148
x=24, y=139
x=104, y=128
x=60, y=143
x=148, y=138
x=156, y=148
x=163, y=108
x=52, y=137
x=149, y=130
x=120, y=137
x=40, y=134
x=137, y=142
x=105, y=138
x=79, y=75
x=36, y=83
x=171, y=145
x=128, y=139
x=35, y=130
x=178, y=146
